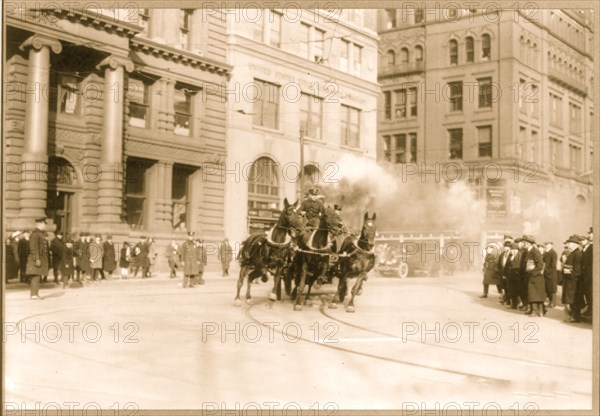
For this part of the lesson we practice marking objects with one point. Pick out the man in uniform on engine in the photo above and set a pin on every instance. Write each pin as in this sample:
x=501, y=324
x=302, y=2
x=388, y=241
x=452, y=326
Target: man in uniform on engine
x=312, y=208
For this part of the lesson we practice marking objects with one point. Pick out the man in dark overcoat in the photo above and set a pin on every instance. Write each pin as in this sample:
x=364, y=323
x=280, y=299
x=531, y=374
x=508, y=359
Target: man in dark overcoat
x=586, y=272
x=202, y=261
x=144, y=257
x=511, y=270
x=109, y=256
x=56, y=246
x=23, y=250
x=312, y=208
x=572, y=277
x=37, y=261
x=490, y=269
x=67, y=262
x=523, y=284
x=550, y=260
x=189, y=260
x=534, y=268
x=78, y=254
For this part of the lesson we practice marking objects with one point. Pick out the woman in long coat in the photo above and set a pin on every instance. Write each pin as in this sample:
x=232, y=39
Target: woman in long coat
x=109, y=255
x=536, y=286
x=490, y=270
x=67, y=264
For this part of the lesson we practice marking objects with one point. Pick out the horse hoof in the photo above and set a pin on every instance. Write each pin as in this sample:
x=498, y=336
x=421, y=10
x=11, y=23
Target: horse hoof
x=272, y=296
x=297, y=307
x=237, y=302
x=350, y=309
x=248, y=301
x=332, y=306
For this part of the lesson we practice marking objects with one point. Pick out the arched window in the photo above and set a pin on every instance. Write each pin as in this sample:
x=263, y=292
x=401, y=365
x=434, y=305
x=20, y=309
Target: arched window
x=418, y=53
x=486, y=46
x=391, y=58
x=263, y=184
x=403, y=56
x=453, y=45
x=470, y=49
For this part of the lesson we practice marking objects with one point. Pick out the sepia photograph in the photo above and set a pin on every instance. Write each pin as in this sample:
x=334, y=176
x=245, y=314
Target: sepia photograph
x=306, y=208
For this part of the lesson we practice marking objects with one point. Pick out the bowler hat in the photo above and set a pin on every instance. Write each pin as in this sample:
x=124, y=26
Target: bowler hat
x=313, y=191
x=508, y=237
x=528, y=238
x=40, y=220
x=190, y=233
x=573, y=239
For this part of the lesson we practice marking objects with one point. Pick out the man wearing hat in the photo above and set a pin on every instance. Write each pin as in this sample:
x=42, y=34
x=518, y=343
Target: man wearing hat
x=12, y=256
x=522, y=285
x=572, y=276
x=550, y=260
x=109, y=253
x=312, y=207
x=586, y=272
x=534, y=266
x=503, y=268
x=37, y=260
x=225, y=256
x=56, y=249
x=513, y=265
x=23, y=251
x=95, y=256
x=78, y=254
x=189, y=260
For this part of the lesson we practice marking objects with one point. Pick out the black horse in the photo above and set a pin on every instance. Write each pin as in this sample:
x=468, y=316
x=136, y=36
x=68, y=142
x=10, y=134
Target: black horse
x=312, y=255
x=356, y=259
x=262, y=253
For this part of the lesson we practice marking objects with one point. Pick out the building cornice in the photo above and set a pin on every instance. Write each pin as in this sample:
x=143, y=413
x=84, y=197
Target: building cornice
x=180, y=56
x=97, y=20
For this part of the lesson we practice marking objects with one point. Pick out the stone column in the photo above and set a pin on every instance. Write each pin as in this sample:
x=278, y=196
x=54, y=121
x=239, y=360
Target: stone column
x=110, y=185
x=34, y=160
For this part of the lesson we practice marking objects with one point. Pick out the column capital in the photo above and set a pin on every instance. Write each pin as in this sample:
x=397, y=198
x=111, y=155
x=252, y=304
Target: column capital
x=39, y=41
x=114, y=62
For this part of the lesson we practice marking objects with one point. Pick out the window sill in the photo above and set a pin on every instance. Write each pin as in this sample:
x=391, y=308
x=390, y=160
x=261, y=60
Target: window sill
x=483, y=110
x=267, y=130
x=352, y=149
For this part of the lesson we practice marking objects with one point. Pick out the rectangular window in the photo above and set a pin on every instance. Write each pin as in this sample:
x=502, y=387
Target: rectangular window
x=486, y=47
x=275, y=29
x=183, y=111
x=555, y=110
x=311, y=115
x=484, y=135
x=391, y=18
x=387, y=98
x=184, y=28
x=412, y=101
x=69, y=95
x=522, y=95
x=144, y=20
x=350, y=126
x=575, y=158
x=485, y=92
x=521, y=144
x=456, y=96
x=137, y=94
x=534, y=146
x=453, y=52
x=319, y=44
x=399, y=148
x=387, y=148
x=258, y=28
x=357, y=57
x=534, y=99
x=419, y=16
x=135, y=191
x=266, y=105
x=575, y=119
x=413, y=148
x=456, y=143
x=400, y=104
x=303, y=40
x=344, y=53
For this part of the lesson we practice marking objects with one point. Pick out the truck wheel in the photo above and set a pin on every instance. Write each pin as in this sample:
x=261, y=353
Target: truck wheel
x=403, y=270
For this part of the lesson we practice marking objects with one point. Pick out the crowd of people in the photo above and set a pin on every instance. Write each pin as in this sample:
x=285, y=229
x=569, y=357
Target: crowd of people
x=527, y=275
x=74, y=259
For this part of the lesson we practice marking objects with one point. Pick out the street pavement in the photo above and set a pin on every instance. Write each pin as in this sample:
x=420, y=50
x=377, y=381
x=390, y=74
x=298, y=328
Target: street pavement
x=412, y=343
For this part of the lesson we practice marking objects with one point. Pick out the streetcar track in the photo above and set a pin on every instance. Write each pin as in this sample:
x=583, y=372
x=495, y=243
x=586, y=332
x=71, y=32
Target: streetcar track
x=384, y=334
x=475, y=377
